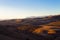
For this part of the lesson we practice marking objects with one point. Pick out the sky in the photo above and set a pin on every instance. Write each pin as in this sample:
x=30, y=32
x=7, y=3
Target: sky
x=14, y=9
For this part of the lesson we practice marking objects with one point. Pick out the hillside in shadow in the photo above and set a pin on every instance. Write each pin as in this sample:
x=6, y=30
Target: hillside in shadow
x=37, y=28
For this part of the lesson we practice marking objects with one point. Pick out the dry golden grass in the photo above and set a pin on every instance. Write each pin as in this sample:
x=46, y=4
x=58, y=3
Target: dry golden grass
x=18, y=20
x=47, y=28
x=57, y=23
x=38, y=31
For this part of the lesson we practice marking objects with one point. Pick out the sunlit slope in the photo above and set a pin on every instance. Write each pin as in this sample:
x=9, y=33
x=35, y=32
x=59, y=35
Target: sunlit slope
x=47, y=25
x=57, y=23
x=51, y=28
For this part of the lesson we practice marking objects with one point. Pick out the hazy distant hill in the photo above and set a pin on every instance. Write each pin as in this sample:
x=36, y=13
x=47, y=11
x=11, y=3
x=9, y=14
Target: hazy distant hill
x=38, y=28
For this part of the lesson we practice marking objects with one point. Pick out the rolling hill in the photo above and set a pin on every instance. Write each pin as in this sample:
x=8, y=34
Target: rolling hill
x=38, y=28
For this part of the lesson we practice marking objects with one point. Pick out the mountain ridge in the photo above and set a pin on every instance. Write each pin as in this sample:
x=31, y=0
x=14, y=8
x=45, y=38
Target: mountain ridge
x=41, y=28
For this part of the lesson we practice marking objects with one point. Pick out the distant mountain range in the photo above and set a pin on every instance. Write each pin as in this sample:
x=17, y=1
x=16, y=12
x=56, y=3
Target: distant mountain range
x=37, y=28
